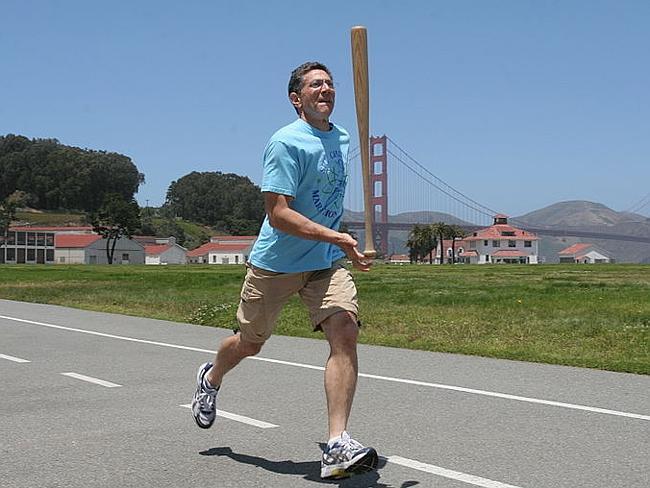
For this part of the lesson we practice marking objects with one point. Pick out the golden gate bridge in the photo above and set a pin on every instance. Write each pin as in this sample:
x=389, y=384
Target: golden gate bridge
x=421, y=197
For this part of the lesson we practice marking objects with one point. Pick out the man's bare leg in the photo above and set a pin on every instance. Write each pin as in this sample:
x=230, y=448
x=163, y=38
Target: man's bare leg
x=231, y=351
x=341, y=370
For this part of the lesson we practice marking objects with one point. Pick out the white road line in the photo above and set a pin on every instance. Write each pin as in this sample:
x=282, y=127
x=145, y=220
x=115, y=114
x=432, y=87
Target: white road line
x=240, y=418
x=362, y=375
x=90, y=379
x=448, y=473
x=14, y=359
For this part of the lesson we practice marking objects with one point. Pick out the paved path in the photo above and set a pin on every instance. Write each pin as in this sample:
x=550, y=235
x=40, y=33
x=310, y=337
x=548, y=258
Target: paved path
x=97, y=400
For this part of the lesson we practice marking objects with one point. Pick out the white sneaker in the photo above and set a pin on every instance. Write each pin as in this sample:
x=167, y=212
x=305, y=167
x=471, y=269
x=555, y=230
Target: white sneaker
x=346, y=457
x=204, y=408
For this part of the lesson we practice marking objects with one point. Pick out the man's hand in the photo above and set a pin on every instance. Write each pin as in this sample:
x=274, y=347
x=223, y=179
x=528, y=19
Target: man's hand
x=349, y=246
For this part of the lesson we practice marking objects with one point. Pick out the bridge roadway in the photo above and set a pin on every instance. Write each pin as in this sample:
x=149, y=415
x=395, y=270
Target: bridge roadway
x=535, y=230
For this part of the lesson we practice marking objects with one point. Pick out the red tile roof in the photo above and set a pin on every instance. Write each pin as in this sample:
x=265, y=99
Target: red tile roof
x=234, y=238
x=402, y=257
x=496, y=232
x=216, y=247
x=446, y=244
x=468, y=253
x=575, y=249
x=34, y=228
x=157, y=249
x=507, y=253
x=75, y=240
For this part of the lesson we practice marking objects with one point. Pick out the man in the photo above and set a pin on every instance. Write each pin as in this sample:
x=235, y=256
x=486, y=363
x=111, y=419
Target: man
x=298, y=251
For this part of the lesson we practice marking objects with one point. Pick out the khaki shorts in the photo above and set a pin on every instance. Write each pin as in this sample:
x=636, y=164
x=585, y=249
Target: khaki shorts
x=264, y=293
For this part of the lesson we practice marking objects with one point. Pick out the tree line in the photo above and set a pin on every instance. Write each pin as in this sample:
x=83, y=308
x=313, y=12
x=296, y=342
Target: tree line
x=54, y=176
x=424, y=239
x=46, y=175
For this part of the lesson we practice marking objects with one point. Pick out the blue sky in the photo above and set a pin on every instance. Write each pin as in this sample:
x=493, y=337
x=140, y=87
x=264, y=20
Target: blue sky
x=518, y=104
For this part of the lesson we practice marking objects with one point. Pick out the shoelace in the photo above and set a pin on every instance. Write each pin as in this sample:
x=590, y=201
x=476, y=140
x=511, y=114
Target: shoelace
x=345, y=447
x=206, y=400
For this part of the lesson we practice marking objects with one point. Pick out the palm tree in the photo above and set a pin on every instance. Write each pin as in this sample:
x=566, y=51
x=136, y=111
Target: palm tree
x=429, y=242
x=455, y=232
x=414, y=243
x=440, y=230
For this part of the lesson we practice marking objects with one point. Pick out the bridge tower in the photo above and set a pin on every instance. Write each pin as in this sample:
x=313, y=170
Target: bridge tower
x=379, y=188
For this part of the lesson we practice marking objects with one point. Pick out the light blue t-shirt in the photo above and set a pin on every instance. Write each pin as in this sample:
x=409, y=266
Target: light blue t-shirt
x=311, y=166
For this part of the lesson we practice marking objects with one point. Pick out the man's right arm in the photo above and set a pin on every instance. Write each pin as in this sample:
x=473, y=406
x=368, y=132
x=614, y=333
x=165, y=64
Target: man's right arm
x=284, y=218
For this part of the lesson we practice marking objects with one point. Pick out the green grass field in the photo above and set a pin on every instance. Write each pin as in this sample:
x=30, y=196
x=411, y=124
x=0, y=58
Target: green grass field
x=591, y=316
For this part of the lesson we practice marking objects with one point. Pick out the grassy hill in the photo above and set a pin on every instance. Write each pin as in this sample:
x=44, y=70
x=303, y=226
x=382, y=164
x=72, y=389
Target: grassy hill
x=195, y=234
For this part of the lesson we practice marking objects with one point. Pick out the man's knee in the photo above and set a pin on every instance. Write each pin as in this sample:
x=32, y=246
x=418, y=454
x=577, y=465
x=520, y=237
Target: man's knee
x=342, y=328
x=248, y=348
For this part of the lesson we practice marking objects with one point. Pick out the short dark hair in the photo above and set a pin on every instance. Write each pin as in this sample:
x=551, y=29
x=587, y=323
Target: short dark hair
x=296, y=79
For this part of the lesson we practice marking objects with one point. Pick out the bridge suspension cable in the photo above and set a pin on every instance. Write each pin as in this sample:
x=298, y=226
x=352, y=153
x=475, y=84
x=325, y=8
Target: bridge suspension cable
x=478, y=208
x=448, y=189
x=640, y=205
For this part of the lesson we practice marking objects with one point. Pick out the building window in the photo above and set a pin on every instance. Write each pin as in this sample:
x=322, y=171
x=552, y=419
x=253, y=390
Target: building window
x=214, y=258
x=125, y=257
x=11, y=238
x=49, y=255
x=40, y=239
x=225, y=260
x=528, y=243
x=31, y=239
x=11, y=254
x=31, y=254
x=512, y=243
x=237, y=259
x=485, y=243
x=61, y=259
x=49, y=240
x=496, y=243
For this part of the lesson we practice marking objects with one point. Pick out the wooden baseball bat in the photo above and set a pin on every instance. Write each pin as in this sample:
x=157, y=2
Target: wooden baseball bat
x=359, y=39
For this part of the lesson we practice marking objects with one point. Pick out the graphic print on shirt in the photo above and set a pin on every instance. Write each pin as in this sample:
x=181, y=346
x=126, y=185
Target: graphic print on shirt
x=328, y=196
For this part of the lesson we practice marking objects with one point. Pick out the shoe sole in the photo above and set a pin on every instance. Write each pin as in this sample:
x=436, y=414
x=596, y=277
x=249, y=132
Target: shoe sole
x=368, y=462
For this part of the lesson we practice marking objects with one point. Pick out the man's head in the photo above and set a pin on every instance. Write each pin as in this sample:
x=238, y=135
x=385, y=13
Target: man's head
x=312, y=93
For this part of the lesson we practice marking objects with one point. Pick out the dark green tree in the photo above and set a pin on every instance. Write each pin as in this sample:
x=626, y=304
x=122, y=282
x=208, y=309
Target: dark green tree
x=7, y=215
x=225, y=201
x=116, y=218
x=421, y=243
x=64, y=177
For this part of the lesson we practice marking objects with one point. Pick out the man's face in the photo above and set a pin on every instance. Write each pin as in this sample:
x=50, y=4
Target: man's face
x=316, y=97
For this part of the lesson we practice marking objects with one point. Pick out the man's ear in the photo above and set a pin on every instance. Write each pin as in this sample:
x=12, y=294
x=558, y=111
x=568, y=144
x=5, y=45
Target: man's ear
x=295, y=100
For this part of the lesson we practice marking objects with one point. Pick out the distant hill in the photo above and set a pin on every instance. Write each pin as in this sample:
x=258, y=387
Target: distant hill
x=397, y=238
x=590, y=216
x=577, y=213
x=423, y=217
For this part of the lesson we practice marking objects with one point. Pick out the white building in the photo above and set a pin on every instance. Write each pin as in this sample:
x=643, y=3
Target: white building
x=584, y=253
x=459, y=248
x=223, y=250
x=27, y=245
x=165, y=251
x=499, y=243
x=91, y=249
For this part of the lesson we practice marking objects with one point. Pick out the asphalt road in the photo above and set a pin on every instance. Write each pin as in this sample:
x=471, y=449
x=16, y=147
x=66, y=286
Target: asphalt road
x=97, y=400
